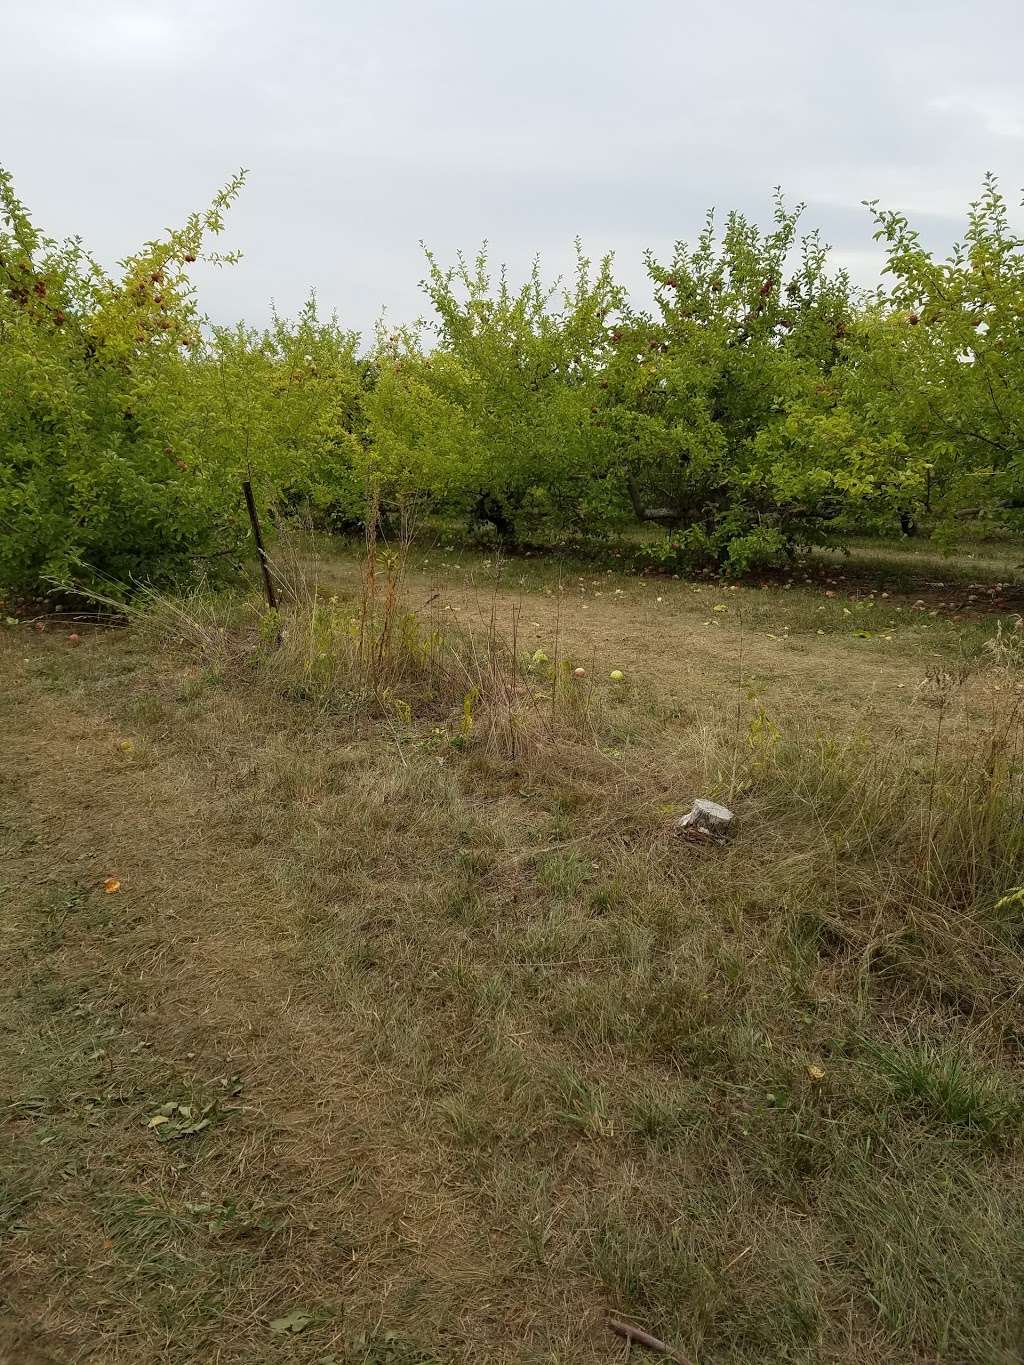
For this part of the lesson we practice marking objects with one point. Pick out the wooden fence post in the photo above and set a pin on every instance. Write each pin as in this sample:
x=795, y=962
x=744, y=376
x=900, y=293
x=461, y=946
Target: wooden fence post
x=261, y=550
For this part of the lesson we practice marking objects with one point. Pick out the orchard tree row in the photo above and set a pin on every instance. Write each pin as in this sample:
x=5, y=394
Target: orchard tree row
x=762, y=406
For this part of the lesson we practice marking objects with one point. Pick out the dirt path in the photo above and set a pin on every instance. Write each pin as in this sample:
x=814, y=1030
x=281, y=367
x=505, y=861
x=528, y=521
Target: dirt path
x=698, y=642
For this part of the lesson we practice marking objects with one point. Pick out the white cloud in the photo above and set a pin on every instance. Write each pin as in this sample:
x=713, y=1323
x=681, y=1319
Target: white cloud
x=999, y=113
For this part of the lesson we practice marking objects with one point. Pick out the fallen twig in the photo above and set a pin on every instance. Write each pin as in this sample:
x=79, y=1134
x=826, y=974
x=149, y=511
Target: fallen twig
x=642, y=1338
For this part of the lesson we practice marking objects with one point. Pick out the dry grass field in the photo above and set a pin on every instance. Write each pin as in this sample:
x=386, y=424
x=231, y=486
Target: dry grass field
x=360, y=1003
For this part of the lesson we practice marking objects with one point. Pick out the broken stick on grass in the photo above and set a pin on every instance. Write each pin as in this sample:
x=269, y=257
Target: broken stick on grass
x=641, y=1338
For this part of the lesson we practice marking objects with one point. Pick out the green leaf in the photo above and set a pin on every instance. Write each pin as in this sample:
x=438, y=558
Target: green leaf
x=179, y=1130
x=295, y=1321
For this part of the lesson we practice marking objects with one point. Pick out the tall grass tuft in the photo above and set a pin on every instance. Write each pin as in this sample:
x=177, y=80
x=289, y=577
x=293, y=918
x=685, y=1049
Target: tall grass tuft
x=377, y=659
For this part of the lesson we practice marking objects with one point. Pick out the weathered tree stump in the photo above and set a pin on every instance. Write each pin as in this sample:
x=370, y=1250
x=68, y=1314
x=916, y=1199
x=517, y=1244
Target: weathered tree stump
x=706, y=821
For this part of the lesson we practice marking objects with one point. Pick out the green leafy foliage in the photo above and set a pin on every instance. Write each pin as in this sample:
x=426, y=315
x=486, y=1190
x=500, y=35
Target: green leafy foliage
x=98, y=477
x=127, y=423
x=760, y=406
x=496, y=421
x=946, y=360
x=701, y=394
x=283, y=406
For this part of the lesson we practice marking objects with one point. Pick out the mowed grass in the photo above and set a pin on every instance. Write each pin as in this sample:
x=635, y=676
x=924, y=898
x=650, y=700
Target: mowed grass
x=458, y=1046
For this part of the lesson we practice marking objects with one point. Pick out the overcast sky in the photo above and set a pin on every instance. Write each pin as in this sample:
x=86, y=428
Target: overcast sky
x=368, y=126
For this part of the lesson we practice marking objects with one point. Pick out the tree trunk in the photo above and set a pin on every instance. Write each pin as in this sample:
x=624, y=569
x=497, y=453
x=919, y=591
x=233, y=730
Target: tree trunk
x=661, y=516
